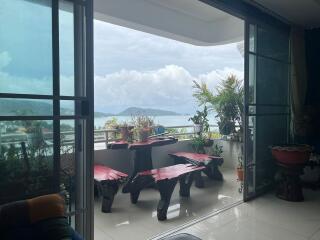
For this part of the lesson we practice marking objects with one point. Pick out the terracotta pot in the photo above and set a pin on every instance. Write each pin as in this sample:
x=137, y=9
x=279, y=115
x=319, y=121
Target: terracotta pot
x=240, y=174
x=291, y=154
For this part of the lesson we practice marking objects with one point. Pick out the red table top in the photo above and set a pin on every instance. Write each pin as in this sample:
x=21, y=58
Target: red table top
x=171, y=171
x=102, y=173
x=195, y=156
x=137, y=145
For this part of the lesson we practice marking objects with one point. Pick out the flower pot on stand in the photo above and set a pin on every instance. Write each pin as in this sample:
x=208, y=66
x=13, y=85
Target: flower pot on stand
x=126, y=133
x=143, y=134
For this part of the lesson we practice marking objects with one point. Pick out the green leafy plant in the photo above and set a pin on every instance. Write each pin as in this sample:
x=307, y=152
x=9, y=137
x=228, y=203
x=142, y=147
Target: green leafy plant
x=227, y=103
x=198, y=143
x=216, y=150
x=201, y=118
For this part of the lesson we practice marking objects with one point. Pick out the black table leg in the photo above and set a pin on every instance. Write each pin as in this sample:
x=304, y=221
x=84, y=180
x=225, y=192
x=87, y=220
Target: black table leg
x=165, y=188
x=213, y=172
x=108, y=190
x=142, y=161
x=198, y=180
x=185, y=184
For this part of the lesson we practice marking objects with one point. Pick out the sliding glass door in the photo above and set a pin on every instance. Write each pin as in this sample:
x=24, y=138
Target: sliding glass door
x=46, y=102
x=266, y=102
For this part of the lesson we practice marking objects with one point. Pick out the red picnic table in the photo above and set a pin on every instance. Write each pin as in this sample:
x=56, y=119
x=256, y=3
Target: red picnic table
x=211, y=163
x=143, y=154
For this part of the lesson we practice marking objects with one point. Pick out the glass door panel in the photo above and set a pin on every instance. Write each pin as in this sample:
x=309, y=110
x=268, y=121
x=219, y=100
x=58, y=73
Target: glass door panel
x=46, y=130
x=266, y=103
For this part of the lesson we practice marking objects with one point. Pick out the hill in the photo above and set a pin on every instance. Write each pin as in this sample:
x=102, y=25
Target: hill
x=11, y=107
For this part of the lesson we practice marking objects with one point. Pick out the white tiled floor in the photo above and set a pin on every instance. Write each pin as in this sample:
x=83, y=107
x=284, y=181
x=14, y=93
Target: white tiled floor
x=129, y=221
x=264, y=218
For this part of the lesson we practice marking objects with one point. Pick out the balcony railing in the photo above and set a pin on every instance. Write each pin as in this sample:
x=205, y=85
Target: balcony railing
x=104, y=136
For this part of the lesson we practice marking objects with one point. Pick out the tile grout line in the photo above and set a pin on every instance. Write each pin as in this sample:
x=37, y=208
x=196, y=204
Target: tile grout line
x=313, y=234
x=192, y=222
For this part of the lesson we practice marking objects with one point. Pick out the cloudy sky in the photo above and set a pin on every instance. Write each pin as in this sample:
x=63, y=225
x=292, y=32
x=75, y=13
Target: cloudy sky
x=138, y=69
x=132, y=68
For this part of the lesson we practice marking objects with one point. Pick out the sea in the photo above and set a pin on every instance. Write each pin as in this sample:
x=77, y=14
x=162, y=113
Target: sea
x=167, y=121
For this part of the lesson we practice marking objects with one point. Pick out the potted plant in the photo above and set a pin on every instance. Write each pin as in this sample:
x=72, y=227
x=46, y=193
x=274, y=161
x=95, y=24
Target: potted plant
x=227, y=103
x=200, y=121
x=216, y=150
x=198, y=144
x=240, y=170
x=143, y=126
x=126, y=131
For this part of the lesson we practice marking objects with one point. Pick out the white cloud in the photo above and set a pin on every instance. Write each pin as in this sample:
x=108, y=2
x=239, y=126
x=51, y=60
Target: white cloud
x=169, y=87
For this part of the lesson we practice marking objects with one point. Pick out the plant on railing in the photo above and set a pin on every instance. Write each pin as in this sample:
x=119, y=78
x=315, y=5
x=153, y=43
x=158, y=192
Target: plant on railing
x=143, y=126
x=112, y=124
x=126, y=131
x=227, y=103
x=200, y=121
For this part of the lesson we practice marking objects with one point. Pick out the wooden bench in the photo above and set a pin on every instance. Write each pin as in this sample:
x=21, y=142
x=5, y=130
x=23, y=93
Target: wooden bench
x=165, y=179
x=211, y=164
x=107, y=181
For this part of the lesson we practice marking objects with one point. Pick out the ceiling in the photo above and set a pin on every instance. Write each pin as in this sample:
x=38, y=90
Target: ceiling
x=305, y=13
x=190, y=21
x=192, y=8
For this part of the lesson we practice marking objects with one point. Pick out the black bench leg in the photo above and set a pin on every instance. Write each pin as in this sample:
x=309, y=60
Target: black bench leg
x=165, y=188
x=213, y=172
x=134, y=196
x=199, y=183
x=108, y=190
x=185, y=184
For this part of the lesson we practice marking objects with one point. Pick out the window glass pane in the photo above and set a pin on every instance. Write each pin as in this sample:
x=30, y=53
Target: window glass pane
x=252, y=79
x=272, y=82
x=269, y=130
x=25, y=107
x=66, y=48
x=26, y=159
x=67, y=162
x=67, y=107
x=252, y=38
x=26, y=47
x=272, y=43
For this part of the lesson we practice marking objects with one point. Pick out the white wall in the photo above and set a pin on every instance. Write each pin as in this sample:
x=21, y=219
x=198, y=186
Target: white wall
x=122, y=159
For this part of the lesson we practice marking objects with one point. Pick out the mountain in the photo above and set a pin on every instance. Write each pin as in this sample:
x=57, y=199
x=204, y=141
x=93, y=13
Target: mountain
x=146, y=111
x=102, y=114
x=10, y=107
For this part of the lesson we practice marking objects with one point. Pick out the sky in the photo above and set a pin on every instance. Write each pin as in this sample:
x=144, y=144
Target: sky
x=132, y=68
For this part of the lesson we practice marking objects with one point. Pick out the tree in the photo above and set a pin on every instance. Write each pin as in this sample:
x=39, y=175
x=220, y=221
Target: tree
x=227, y=103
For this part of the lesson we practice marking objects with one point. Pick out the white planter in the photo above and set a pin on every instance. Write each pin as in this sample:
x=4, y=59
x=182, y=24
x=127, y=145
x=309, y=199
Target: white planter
x=198, y=128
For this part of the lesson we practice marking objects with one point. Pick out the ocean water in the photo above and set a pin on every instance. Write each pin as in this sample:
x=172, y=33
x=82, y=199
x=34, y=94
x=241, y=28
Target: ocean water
x=166, y=121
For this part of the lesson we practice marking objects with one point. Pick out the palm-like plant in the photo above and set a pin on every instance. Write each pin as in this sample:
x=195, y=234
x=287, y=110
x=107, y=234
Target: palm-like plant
x=227, y=103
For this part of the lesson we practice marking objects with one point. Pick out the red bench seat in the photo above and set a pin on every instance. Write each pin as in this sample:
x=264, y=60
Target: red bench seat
x=165, y=179
x=211, y=163
x=107, y=181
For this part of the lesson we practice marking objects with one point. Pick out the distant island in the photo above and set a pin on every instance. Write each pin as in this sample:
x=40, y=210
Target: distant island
x=146, y=111
x=11, y=107
x=28, y=107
